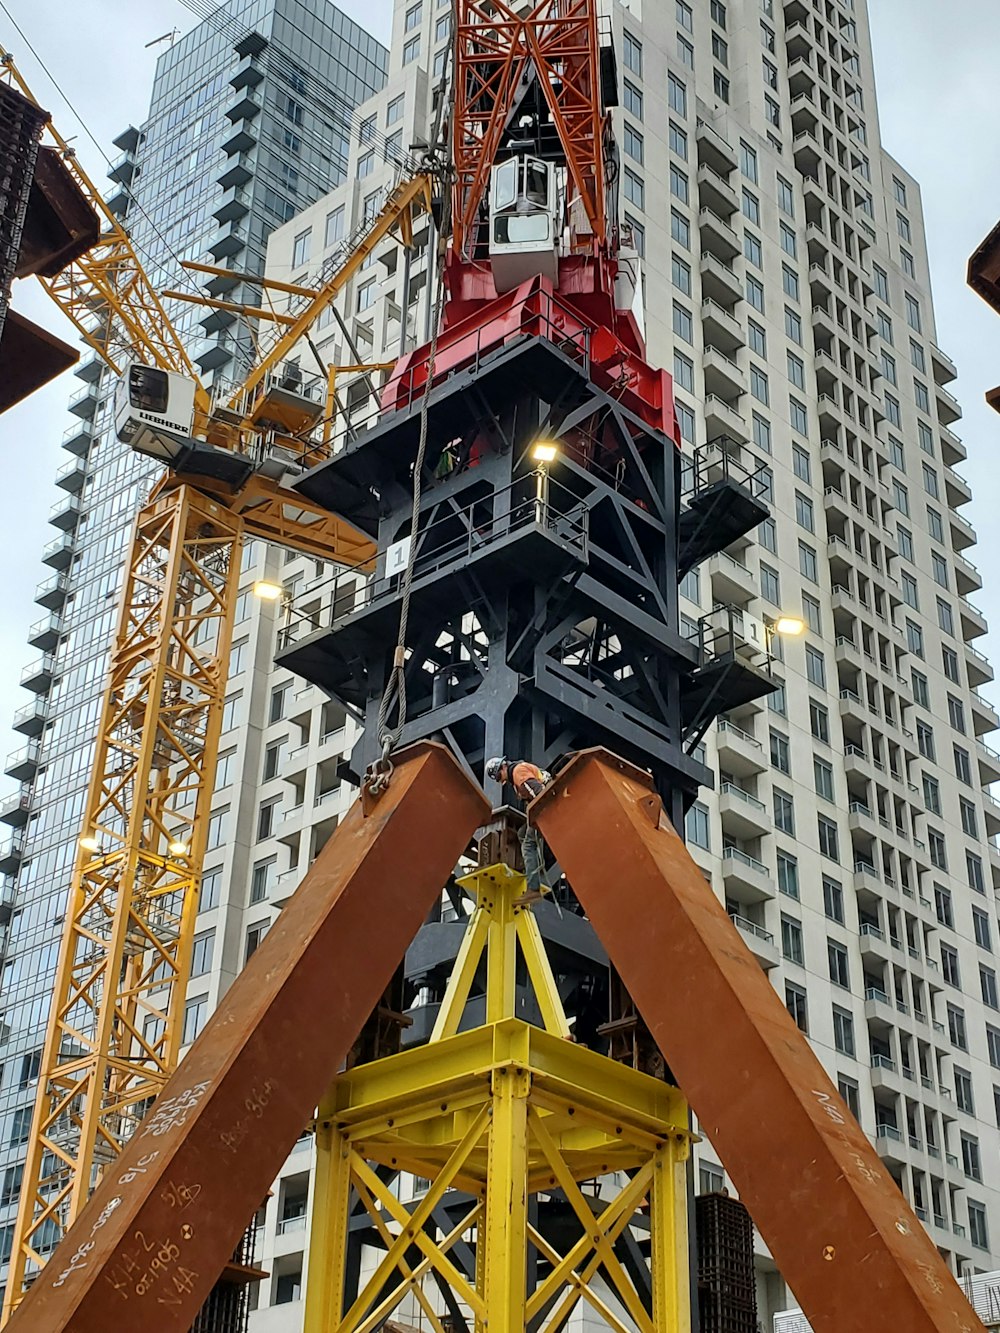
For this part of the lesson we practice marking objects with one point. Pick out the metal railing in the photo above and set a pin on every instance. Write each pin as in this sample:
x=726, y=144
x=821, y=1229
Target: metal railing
x=535, y=500
x=751, y=928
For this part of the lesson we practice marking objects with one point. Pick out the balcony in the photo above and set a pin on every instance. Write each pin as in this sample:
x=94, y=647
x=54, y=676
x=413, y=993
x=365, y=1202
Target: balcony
x=715, y=192
x=58, y=554
x=22, y=765
x=967, y=576
x=11, y=854
x=759, y=941
x=723, y=377
x=948, y=407
x=717, y=236
x=977, y=666
x=804, y=115
x=856, y=761
x=714, y=150
x=72, y=475
x=873, y=942
x=44, y=634
x=16, y=809
x=846, y=652
x=745, y=878
x=861, y=819
x=973, y=621
x=963, y=534
x=720, y=281
x=31, y=719
x=867, y=879
x=733, y=584
x=78, y=439
x=890, y=1145
x=805, y=150
x=52, y=593
x=952, y=449
x=721, y=329
x=824, y=325
x=984, y=715
x=743, y=815
x=65, y=513
x=739, y=753
x=943, y=366
x=39, y=675
x=241, y=140
x=957, y=489
x=835, y=502
x=801, y=75
x=722, y=419
x=84, y=403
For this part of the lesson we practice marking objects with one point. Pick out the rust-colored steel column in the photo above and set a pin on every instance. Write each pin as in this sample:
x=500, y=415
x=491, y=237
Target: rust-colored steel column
x=836, y=1223
x=146, y=1250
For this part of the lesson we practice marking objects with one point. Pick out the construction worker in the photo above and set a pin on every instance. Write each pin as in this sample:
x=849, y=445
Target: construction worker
x=528, y=781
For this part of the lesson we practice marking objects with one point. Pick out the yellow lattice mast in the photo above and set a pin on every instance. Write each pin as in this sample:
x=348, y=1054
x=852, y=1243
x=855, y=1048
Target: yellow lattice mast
x=505, y=1113
x=115, y=1026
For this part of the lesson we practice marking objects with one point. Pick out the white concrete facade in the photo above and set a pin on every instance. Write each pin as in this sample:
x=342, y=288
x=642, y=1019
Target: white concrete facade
x=850, y=832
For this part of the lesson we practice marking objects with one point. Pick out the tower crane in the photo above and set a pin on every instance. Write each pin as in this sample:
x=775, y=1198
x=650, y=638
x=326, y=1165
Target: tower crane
x=541, y=322
x=115, y=1024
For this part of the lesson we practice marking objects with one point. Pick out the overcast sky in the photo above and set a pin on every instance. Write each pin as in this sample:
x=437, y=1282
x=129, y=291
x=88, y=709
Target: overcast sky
x=938, y=102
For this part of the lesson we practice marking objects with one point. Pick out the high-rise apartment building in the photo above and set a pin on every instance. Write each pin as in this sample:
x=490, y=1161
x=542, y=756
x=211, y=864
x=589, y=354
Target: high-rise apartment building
x=250, y=119
x=850, y=830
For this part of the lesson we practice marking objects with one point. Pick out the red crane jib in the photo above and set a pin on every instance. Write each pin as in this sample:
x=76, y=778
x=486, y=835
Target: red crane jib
x=577, y=319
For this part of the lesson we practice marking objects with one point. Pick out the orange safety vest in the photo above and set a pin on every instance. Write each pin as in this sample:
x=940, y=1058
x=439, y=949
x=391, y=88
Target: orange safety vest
x=522, y=773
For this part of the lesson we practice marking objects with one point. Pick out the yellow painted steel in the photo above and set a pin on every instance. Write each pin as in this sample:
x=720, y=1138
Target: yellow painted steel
x=503, y=1112
x=115, y=1026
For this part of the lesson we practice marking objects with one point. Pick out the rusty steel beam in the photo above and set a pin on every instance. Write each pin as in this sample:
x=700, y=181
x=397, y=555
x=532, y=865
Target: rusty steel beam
x=841, y=1233
x=159, y=1229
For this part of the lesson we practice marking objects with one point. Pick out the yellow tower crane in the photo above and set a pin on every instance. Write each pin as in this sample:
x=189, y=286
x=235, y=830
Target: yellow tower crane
x=115, y=1025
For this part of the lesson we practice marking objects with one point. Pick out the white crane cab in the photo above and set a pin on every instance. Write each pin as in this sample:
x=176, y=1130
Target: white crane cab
x=154, y=411
x=524, y=223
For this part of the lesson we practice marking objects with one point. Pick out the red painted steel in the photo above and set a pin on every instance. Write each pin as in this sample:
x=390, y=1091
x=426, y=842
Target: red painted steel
x=494, y=50
x=840, y=1231
x=160, y=1228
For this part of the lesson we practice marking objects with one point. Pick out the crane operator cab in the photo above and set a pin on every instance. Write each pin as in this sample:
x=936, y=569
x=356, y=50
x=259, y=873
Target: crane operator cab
x=154, y=410
x=524, y=222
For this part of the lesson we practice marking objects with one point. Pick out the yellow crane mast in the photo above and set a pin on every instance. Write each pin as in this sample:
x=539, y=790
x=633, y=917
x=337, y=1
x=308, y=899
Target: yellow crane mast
x=115, y=1025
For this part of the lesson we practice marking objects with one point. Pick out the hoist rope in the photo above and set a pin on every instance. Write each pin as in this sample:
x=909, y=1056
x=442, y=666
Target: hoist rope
x=392, y=710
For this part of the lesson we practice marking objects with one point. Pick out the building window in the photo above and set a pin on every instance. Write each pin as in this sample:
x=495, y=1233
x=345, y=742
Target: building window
x=394, y=111
x=788, y=875
x=837, y=963
x=681, y=274
x=956, y=1027
x=945, y=616
x=909, y=267
x=751, y=207
x=684, y=371
x=833, y=899
x=823, y=778
x=914, y=638
x=195, y=1013
x=993, y=1046
x=680, y=229
x=721, y=85
x=843, y=1031
x=795, y=1003
x=711, y=1178
x=963, y=765
x=988, y=986
x=411, y=50
x=718, y=13
x=683, y=323
x=769, y=585
x=634, y=144
x=696, y=826
x=971, y=1162
x=903, y=227
x=949, y=966
x=262, y=879
x=981, y=929
x=772, y=111
x=793, y=330
x=202, y=949
x=974, y=872
x=936, y=847
x=255, y=936
x=748, y=162
x=784, y=813
x=884, y=326
x=759, y=385
x=815, y=667
x=208, y=893
x=819, y=721
x=685, y=52
x=808, y=566
x=791, y=939
x=779, y=752
x=943, y=906
x=905, y=542
x=913, y=313
x=632, y=53
x=755, y=293
x=677, y=95
x=829, y=840
x=752, y=250
x=635, y=190
x=978, y=1232
x=720, y=50
x=679, y=184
